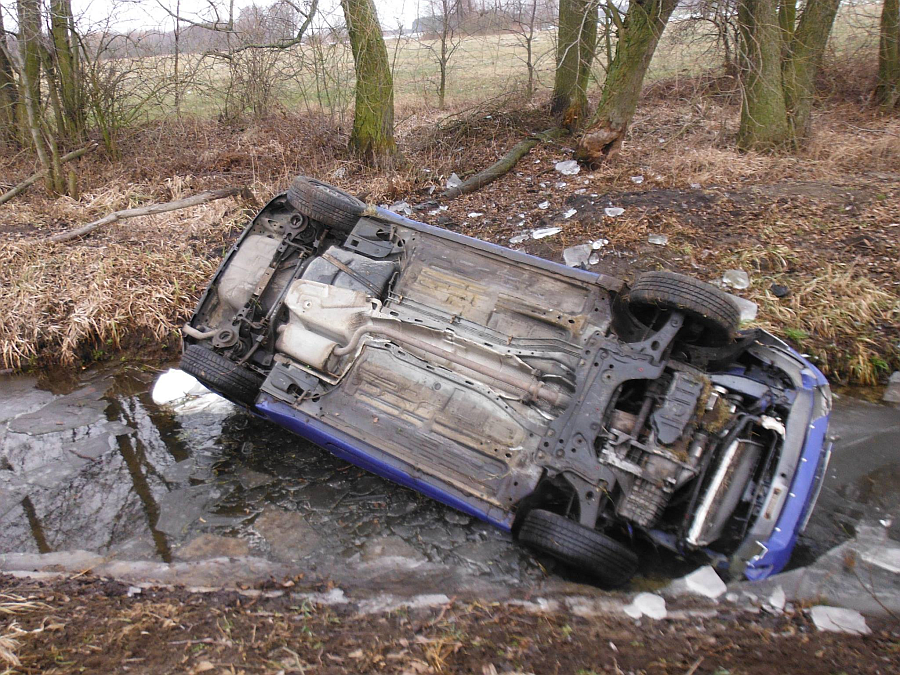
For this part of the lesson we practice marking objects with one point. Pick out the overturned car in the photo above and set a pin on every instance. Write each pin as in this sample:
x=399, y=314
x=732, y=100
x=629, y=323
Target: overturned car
x=578, y=413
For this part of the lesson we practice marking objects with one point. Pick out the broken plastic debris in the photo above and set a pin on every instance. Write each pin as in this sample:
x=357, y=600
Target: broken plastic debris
x=637, y=180
x=839, y=620
x=576, y=256
x=658, y=239
x=647, y=604
x=476, y=214
x=704, y=581
x=613, y=211
x=568, y=168
x=454, y=181
x=401, y=207
x=519, y=238
x=544, y=205
x=599, y=243
x=570, y=213
x=542, y=232
x=736, y=279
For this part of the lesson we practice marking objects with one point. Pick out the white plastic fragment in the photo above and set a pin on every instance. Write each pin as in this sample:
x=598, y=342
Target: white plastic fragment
x=519, y=238
x=613, y=211
x=542, y=232
x=738, y=279
x=577, y=255
x=175, y=385
x=647, y=604
x=704, y=581
x=568, y=168
x=839, y=620
x=570, y=213
x=658, y=239
x=637, y=180
x=454, y=181
x=544, y=205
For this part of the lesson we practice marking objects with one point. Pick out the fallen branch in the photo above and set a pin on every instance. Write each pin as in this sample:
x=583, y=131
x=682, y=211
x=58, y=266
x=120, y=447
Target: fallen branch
x=503, y=165
x=31, y=180
x=193, y=200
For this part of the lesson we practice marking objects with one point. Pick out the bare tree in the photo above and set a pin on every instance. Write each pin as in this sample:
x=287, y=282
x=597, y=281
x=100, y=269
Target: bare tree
x=441, y=37
x=9, y=94
x=576, y=42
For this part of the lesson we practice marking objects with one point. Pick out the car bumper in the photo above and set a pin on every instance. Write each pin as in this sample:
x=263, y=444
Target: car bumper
x=767, y=552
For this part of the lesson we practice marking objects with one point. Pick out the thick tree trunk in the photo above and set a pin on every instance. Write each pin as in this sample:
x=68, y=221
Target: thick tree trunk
x=9, y=95
x=372, y=137
x=764, y=122
x=887, y=91
x=803, y=61
x=65, y=57
x=644, y=24
x=576, y=43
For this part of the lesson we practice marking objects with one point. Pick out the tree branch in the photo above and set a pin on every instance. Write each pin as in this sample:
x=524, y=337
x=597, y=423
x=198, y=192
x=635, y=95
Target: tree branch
x=193, y=200
x=31, y=180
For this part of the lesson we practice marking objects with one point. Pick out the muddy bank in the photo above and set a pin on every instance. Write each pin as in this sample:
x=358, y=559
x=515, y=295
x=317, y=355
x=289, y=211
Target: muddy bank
x=88, y=624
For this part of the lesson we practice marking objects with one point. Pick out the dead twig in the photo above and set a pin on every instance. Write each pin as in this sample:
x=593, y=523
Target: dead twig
x=31, y=180
x=193, y=200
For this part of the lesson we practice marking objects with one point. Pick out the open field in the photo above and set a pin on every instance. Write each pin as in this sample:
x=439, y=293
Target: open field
x=823, y=222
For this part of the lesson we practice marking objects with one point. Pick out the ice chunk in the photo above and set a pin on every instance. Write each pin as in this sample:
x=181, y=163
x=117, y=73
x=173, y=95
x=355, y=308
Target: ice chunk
x=736, y=279
x=561, y=184
x=749, y=309
x=704, y=581
x=647, y=604
x=695, y=186
x=568, y=168
x=402, y=208
x=637, y=180
x=476, y=214
x=570, y=213
x=542, y=232
x=519, y=238
x=839, y=620
x=599, y=243
x=594, y=259
x=544, y=205
x=454, y=181
x=658, y=239
x=575, y=256
x=613, y=211
x=175, y=385
x=777, y=599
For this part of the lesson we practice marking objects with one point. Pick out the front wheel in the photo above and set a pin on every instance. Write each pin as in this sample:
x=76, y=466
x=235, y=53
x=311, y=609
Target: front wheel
x=579, y=547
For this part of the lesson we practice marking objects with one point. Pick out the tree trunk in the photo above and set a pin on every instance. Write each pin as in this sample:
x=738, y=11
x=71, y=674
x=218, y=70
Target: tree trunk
x=372, y=137
x=763, y=109
x=802, y=65
x=30, y=50
x=9, y=95
x=68, y=76
x=575, y=47
x=644, y=24
x=887, y=91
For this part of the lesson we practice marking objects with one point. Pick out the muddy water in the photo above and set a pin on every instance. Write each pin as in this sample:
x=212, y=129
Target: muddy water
x=95, y=465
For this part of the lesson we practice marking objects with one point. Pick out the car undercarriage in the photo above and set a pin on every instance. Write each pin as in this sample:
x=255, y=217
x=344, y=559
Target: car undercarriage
x=563, y=405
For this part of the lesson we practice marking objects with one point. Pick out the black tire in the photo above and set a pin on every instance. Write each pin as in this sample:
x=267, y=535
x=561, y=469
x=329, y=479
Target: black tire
x=579, y=547
x=222, y=375
x=713, y=315
x=325, y=203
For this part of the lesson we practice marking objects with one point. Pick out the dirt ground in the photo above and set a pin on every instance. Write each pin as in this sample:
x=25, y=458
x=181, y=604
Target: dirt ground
x=817, y=231
x=91, y=625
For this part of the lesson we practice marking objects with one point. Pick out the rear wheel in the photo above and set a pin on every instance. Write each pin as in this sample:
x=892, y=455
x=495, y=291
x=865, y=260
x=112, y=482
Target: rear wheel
x=712, y=317
x=221, y=374
x=579, y=547
x=325, y=203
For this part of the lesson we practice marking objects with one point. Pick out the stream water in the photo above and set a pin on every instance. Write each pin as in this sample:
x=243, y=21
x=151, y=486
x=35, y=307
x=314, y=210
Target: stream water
x=92, y=463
